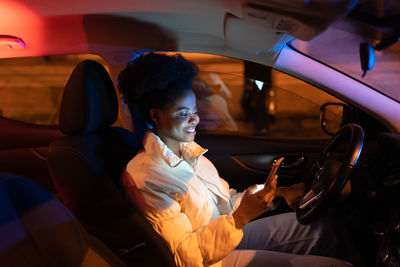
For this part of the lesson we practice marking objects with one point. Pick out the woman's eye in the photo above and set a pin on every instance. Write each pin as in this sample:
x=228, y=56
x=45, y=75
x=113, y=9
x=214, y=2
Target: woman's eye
x=183, y=114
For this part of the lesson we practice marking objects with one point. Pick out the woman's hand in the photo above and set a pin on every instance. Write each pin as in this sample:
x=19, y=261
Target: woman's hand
x=254, y=202
x=292, y=194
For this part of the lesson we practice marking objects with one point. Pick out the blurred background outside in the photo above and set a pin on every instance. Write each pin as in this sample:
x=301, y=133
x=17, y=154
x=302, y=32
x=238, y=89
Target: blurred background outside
x=234, y=97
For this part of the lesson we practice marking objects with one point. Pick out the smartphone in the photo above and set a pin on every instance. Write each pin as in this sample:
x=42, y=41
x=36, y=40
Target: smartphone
x=274, y=169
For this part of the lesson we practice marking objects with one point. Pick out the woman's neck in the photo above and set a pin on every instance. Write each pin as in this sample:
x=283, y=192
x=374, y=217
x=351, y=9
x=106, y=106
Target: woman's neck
x=173, y=145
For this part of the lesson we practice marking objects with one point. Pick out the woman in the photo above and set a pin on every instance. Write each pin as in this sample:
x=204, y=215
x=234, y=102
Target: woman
x=203, y=221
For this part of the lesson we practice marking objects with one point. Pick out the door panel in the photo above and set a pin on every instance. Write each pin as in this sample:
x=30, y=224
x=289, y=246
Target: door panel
x=17, y=134
x=23, y=150
x=259, y=163
x=244, y=161
x=27, y=163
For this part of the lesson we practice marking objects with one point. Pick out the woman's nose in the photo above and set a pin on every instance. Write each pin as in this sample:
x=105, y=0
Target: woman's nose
x=194, y=118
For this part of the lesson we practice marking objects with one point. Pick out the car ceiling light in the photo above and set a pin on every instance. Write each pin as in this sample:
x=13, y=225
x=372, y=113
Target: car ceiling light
x=11, y=42
x=259, y=84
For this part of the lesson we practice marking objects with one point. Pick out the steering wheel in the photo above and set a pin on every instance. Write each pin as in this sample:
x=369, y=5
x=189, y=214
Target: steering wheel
x=329, y=175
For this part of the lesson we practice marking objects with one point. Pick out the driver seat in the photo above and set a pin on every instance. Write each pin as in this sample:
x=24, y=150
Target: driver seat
x=86, y=165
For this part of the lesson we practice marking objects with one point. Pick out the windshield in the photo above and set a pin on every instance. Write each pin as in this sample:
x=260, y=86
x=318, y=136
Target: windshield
x=340, y=49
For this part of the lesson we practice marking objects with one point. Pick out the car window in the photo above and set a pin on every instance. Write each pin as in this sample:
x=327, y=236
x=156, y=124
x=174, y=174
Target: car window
x=237, y=97
x=31, y=88
x=340, y=49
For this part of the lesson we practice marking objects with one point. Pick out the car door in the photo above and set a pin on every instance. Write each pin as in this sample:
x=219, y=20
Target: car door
x=245, y=161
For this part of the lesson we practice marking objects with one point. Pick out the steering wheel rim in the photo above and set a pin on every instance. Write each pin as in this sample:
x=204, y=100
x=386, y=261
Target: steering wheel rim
x=330, y=176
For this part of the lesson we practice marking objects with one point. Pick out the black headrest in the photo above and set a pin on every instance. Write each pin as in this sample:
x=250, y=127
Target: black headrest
x=89, y=102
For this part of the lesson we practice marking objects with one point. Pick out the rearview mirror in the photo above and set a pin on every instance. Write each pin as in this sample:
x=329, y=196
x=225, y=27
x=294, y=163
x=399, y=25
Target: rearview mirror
x=331, y=116
x=367, y=57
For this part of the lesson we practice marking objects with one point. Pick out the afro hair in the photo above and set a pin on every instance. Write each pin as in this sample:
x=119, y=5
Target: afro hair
x=154, y=80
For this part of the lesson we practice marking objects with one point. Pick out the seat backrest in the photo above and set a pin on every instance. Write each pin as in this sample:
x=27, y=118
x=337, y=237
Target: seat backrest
x=139, y=123
x=87, y=163
x=37, y=230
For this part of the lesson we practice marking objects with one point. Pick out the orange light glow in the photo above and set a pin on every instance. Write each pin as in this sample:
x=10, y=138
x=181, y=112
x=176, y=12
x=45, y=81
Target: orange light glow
x=20, y=21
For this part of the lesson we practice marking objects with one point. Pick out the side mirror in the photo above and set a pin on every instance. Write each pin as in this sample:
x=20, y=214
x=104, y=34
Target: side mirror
x=331, y=116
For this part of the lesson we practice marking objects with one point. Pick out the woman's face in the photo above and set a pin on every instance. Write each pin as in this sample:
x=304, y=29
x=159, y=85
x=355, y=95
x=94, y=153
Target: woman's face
x=177, y=122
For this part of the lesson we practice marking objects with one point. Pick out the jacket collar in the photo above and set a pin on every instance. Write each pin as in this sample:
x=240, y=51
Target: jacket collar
x=190, y=151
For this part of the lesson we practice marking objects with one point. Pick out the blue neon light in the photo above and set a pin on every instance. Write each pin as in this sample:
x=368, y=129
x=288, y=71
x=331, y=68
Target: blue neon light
x=358, y=153
x=371, y=61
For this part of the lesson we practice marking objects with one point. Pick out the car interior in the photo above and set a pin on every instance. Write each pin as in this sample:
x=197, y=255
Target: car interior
x=61, y=199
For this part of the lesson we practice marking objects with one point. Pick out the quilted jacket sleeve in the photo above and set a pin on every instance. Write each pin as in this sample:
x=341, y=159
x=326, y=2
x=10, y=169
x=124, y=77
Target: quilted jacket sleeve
x=234, y=195
x=202, y=247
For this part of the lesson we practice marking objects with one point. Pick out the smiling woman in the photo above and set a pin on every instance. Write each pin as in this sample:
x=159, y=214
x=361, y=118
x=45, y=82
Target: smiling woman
x=203, y=221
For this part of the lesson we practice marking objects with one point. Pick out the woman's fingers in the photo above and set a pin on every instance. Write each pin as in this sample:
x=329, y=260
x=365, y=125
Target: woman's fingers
x=255, y=189
x=274, y=180
x=256, y=199
x=271, y=186
x=267, y=194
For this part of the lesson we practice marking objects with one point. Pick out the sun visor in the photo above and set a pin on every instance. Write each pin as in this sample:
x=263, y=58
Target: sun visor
x=254, y=39
x=302, y=19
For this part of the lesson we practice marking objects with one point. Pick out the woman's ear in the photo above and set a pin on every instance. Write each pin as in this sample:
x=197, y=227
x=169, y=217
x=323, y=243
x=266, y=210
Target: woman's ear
x=154, y=116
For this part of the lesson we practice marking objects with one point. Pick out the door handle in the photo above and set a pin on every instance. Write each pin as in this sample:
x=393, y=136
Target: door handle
x=293, y=165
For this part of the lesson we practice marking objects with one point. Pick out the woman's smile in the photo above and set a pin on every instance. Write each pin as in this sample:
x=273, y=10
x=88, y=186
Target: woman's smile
x=191, y=131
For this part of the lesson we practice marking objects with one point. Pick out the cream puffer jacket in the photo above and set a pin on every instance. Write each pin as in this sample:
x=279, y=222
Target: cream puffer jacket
x=186, y=201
